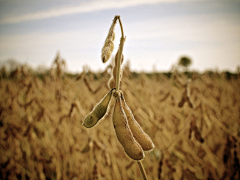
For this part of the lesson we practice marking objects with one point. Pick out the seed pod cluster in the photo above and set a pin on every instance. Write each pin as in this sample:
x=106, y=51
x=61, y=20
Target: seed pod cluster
x=99, y=111
x=112, y=80
x=129, y=133
x=124, y=134
x=109, y=45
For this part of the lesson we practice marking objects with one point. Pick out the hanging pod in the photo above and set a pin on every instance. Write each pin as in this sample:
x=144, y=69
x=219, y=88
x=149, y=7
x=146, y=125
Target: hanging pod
x=141, y=137
x=98, y=111
x=109, y=42
x=124, y=134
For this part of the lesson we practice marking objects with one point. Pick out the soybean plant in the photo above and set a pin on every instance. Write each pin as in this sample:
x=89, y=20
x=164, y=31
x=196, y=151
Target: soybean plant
x=129, y=133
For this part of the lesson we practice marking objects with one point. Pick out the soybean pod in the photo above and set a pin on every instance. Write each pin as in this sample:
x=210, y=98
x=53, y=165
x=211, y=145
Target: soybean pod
x=141, y=137
x=99, y=111
x=124, y=134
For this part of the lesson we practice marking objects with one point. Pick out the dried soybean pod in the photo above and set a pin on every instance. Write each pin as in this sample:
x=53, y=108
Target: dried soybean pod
x=112, y=83
x=114, y=73
x=123, y=132
x=109, y=45
x=141, y=137
x=116, y=58
x=99, y=111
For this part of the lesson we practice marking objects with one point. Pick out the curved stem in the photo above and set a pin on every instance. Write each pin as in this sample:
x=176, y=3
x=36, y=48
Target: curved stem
x=122, y=40
x=142, y=170
x=120, y=22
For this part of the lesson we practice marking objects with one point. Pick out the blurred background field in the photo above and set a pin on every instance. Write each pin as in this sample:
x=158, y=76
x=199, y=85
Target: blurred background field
x=193, y=119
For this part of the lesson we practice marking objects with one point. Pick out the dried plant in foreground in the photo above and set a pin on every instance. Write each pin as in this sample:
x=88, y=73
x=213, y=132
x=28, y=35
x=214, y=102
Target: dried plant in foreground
x=129, y=133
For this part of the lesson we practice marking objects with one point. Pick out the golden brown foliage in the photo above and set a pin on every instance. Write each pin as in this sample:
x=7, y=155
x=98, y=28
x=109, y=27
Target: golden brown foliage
x=42, y=137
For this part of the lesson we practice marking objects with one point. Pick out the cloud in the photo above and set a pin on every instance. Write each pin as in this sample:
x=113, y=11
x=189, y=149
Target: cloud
x=90, y=6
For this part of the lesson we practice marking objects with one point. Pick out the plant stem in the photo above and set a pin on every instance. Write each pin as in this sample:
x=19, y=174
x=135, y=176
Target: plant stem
x=142, y=170
x=120, y=22
x=122, y=40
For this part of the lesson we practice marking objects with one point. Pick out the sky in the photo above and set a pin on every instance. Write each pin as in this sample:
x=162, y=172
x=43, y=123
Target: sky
x=158, y=32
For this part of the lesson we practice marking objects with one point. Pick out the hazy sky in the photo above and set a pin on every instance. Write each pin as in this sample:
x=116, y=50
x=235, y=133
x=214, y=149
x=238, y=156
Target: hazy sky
x=157, y=32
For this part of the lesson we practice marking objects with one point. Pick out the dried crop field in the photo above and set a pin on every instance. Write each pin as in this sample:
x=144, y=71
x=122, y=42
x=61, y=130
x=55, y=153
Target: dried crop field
x=195, y=127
